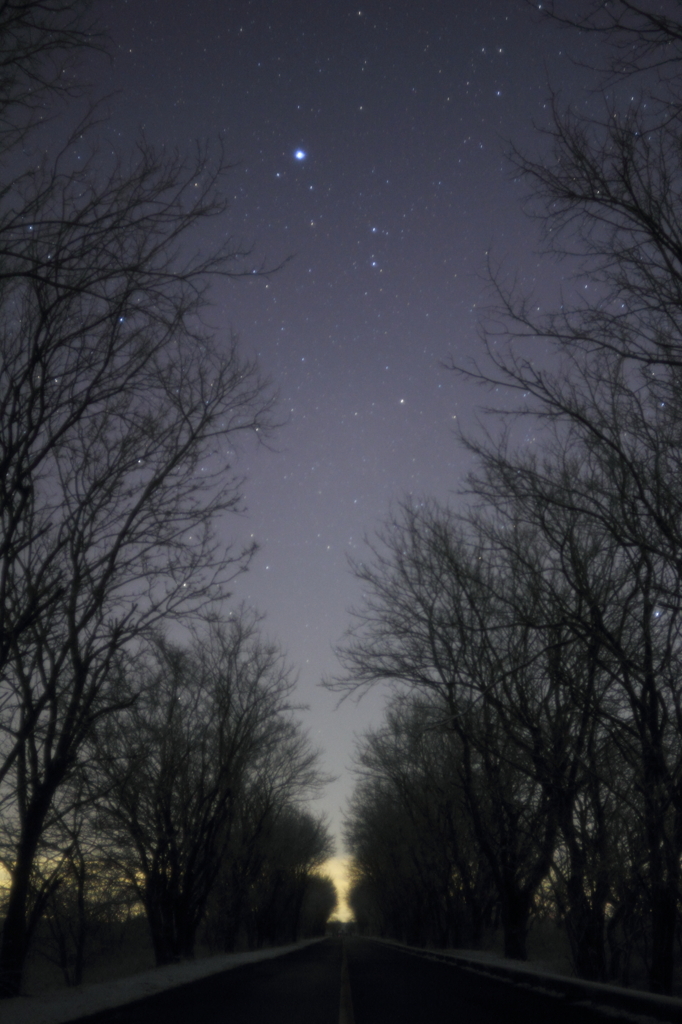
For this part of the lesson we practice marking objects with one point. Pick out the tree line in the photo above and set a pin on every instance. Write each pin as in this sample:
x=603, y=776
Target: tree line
x=189, y=805
x=531, y=758
x=165, y=773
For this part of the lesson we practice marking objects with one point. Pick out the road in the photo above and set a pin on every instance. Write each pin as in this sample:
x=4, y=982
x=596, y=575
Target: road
x=387, y=986
x=390, y=986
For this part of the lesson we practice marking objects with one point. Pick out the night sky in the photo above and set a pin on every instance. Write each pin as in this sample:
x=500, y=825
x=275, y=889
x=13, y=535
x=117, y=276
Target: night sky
x=368, y=142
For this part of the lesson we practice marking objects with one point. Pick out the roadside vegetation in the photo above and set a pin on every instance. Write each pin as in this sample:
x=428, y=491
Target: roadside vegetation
x=530, y=764
x=138, y=773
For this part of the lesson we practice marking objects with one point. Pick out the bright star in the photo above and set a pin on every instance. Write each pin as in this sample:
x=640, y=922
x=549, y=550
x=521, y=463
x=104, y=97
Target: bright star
x=300, y=154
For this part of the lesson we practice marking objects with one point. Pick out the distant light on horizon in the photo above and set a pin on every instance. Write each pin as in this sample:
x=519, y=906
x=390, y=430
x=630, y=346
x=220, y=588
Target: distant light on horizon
x=337, y=869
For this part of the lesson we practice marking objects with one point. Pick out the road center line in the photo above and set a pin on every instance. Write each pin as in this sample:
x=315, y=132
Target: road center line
x=346, y=1005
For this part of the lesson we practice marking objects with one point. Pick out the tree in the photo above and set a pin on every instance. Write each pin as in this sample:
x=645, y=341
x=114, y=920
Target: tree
x=118, y=419
x=640, y=38
x=607, y=197
x=86, y=903
x=380, y=837
x=40, y=42
x=433, y=622
x=275, y=849
x=178, y=765
x=292, y=851
x=618, y=600
x=510, y=632
x=409, y=811
x=319, y=903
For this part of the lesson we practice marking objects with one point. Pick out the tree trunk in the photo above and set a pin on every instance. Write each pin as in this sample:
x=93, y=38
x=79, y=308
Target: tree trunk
x=172, y=925
x=586, y=918
x=15, y=932
x=663, y=850
x=663, y=920
x=515, y=914
x=160, y=918
x=585, y=930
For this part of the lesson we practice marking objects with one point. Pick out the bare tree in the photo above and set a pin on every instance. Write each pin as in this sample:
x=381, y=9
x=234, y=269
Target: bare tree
x=619, y=602
x=516, y=636
x=607, y=405
x=294, y=847
x=40, y=43
x=109, y=506
x=319, y=903
x=178, y=765
x=269, y=815
x=409, y=774
x=641, y=37
x=119, y=412
x=384, y=895
x=433, y=622
x=86, y=903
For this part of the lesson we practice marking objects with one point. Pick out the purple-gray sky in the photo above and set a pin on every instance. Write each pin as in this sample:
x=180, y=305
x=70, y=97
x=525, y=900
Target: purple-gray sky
x=368, y=140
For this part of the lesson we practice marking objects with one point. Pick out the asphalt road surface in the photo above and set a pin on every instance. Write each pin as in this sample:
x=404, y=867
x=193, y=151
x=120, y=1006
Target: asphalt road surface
x=390, y=986
x=386, y=986
x=302, y=987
